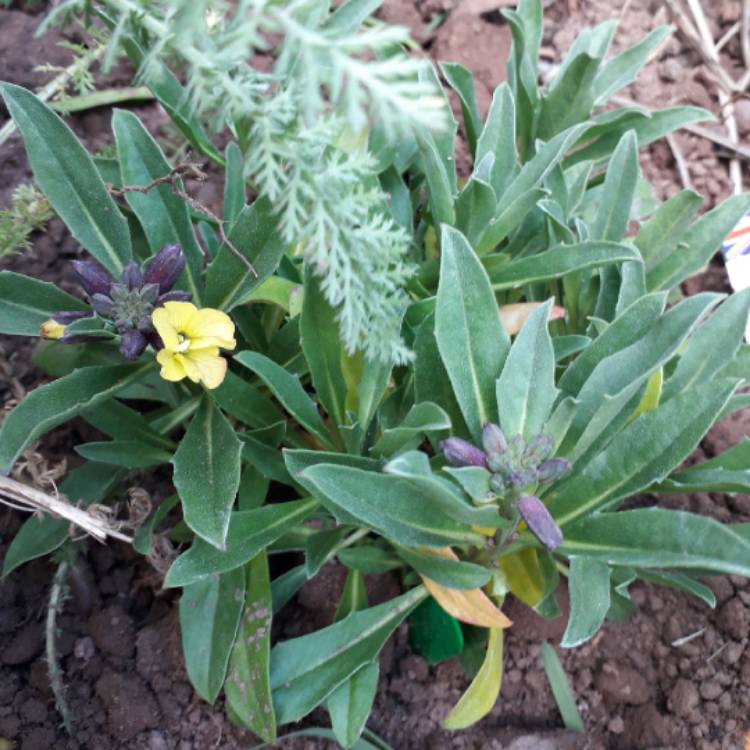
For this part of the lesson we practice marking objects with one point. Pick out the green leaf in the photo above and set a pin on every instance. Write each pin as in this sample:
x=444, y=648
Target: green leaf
x=84, y=485
x=26, y=303
x=570, y=98
x=643, y=453
x=247, y=687
x=143, y=537
x=368, y=559
x=560, y=687
x=288, y=390
x=422, y=419
x=659, y=237
x=319, y=548
x=50, y=405
x=207, y=473
x=319, y=336
x=508, y=219
x=727, y=472
x=120, y=422
x=708, y=349
x=210, y=612
x=623, y=69
x=454, y=574
x=471, y=339
x=244, y=401
x=498, y=137
x=704, y=239
x=306, y=670
x=462, y=82
x=475, y=209
x=482, y=694
x=229, y=282
x=659, y=538
x=526, y=387
x=559, y=261
x=588, y=583
x=249, y=532
x=680, y=582
x=164, y=216
x=439, y=190
x=349, y=705
x=130, y=454
x=389, y=505
x=68, y=177
x=234, y=183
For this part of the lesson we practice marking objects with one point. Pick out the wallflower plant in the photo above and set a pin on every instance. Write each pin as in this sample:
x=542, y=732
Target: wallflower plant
x=555, y=372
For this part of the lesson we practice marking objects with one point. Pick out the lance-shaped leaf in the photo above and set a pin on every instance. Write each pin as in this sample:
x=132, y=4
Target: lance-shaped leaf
x=68, y=177
x=445, y=568
x=643, y=453
x=248, y=687
x=422, y=419
x=659, y=538
x=561, y=689
x=482, y=694
x=52, y=404
x=462, y=82
x=471, y=340
x=25, y=303
x=306, y=670
x=588, y=582
x=210, y=613
x=526, y=387
x=390, y=505
x=207, y=473
x=288, y=390
x=498, y=137
x=130, y=454
x=163, y=215
x=249, y=532
x=472, y=607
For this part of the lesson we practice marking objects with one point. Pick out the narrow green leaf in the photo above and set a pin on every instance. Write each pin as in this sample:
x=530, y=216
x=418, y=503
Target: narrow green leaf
x=244, y=401
x=526, y=388
x=561, y=690
x=25, y=303
x=164, y=216
x=422, y=419
x=454, y=574
x=461, y=81
x=508, y=219
x=498, y=137
x=368, y=559
x=659, y=538
x=144, y=534
x=349, y=705
x=50, y=405
x=559, y=261
x=210, y=612
x=440, y=193
x=247, y=686
x=250, y=531
x=306, y=670
x=588, y=583
x=68, y=177
x=475, y=208
x=680, y=582
x=207, y=473
x=471, y=339
x=129, y=454
x=234, y=183
x=288, y=390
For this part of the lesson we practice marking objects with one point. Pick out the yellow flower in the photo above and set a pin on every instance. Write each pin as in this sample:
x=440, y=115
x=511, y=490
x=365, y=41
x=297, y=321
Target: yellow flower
x=52, y=330
x=191, y=339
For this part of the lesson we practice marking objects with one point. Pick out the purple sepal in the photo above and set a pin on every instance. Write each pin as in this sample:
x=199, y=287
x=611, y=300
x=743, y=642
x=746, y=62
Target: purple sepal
x=540, y=522
x=66, y=318
x=552, y=470
x=460, y=452
x=132, y=344
x=103, y=305
x=132, y=277
x=94, y=279
x=176, y=295
x=165, y=268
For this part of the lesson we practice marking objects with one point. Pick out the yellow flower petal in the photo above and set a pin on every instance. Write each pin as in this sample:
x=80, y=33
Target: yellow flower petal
x=181, y=315
x=191, y=370
x=211, y=328
x=171, y=366
x=163, y=324
x=51, y=330
x=212, y=367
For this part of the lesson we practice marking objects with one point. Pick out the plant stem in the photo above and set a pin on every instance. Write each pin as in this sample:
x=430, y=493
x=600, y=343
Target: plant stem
x=56, y=602
x=103, y=98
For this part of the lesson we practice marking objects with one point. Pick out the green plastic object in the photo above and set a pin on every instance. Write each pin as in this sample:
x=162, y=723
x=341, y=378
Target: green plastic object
x=434, y=634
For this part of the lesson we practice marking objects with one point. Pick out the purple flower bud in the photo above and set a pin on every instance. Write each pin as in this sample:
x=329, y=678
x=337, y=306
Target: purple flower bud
x=540, y=522
x=132, y=277
x=539, y=449
x=94, y=279
x=66, y=318
x=176, y=295
x=132, y=344
x=165, y=268
x=552, y=470
x=493, y=441
x=103, y=305
x=460, y=452
x=520, y=479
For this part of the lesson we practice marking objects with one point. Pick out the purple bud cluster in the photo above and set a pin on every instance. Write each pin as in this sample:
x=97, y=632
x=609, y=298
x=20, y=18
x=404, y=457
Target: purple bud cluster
x=128, y=302
x=515, y=466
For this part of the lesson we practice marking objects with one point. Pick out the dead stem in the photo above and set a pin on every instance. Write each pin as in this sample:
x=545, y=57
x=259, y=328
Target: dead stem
x=56, y=603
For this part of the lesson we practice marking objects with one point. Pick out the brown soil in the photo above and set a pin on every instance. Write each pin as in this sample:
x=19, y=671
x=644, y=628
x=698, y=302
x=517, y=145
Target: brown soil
x=118, y=636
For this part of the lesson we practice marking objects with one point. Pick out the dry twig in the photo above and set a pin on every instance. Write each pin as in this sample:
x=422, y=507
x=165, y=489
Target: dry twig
x=679, y=158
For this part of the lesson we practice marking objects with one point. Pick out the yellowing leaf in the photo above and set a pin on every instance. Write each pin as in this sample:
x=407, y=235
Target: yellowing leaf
x=514, y=316
x=524, y=576
x=652, y=394
x=473, y=607
x=481, y=695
